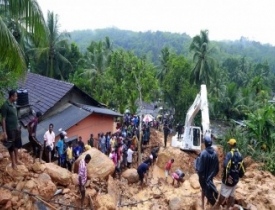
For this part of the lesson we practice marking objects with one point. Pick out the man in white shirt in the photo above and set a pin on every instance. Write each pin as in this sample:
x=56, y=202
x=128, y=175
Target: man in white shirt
x=49, y=141
x=130, y=153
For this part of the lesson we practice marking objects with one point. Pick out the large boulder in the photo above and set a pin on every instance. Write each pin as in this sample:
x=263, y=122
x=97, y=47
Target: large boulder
x=75, y=179
x=131, y=175
x=43, y=186
x=100, y=165
x=60, y=175
x=37, y=167
x=183, y=160
x=5, y=196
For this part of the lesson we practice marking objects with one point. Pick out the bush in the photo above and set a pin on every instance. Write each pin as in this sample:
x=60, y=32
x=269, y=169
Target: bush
x=249, y=147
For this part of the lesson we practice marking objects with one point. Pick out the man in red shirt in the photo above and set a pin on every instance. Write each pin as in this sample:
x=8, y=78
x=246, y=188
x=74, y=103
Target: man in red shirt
x=168, y=168
x=32, y=137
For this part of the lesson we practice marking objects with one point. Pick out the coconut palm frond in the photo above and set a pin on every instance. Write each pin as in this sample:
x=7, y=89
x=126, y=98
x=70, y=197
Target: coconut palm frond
x=10, y=54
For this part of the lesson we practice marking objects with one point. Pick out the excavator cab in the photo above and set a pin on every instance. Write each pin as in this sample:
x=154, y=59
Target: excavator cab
x=192, y=139
x=192, y=136
x=196, y=137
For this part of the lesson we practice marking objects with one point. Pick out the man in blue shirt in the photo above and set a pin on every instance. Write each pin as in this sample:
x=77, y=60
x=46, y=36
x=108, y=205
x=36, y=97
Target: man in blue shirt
x=142, y=172
x=77, y=151
x=60, y=148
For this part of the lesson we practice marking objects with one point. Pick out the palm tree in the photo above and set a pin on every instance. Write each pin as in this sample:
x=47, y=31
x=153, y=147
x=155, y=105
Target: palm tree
x=52, y=52
x=218, y=83
x=96, y=61
x=25, y=13
x=164, y=58
x=232, y=102
x=204, y=64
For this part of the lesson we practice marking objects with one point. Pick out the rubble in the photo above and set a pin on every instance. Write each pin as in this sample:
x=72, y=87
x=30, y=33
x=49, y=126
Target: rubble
x=5, y=196
x=40, y=182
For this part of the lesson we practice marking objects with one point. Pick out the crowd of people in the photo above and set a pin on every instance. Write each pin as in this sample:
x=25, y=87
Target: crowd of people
x=120, y=147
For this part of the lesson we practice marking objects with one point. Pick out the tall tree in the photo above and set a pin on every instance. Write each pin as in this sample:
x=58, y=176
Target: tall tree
x=163, y=70
x=204, y=63
x=52, y=52
x=218, y=83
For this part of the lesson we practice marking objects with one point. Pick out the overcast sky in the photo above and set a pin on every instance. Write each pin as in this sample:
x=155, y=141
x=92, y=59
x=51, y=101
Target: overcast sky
x=225, y=19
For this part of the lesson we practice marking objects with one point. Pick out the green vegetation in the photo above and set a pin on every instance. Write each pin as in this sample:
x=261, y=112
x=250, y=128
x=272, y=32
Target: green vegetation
x=151, y=44
x=21, y=23
x=49, y=56
x=119, y=68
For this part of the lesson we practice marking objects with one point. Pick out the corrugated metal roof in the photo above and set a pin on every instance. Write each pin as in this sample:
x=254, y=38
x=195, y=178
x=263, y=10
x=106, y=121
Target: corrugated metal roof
x=99, y=110
x=64, y=119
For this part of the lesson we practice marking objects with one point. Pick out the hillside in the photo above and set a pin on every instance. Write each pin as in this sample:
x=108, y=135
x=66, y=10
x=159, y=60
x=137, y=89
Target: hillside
x=151, y=43
x=147, y=43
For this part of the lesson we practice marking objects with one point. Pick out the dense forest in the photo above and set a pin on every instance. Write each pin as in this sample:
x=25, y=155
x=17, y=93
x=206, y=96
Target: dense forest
x=151, y=43
x=122, y=68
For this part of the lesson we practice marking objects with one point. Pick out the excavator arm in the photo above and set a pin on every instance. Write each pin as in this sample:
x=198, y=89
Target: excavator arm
x=192, y=136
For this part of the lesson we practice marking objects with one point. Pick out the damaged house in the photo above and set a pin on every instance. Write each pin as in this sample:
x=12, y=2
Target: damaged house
x=64, y=105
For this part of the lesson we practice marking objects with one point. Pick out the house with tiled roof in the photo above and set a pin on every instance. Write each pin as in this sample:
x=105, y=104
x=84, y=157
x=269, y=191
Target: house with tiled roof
x=66, y=106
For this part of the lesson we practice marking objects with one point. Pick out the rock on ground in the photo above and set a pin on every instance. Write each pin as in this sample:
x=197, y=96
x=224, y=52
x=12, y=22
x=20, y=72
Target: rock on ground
x=74, y=179
x=131, y=175
x=38, y=167
x=42, y=186
x=100, y=165
x=18, y=174
x=60, y=175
